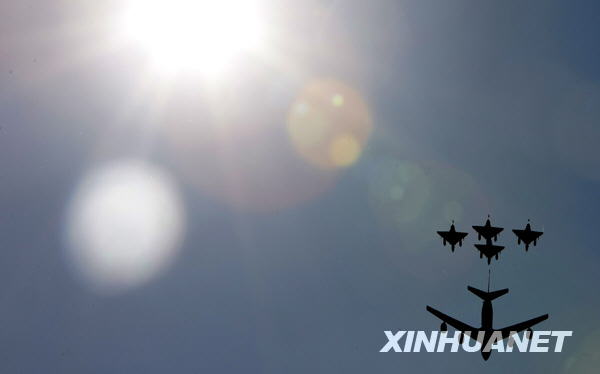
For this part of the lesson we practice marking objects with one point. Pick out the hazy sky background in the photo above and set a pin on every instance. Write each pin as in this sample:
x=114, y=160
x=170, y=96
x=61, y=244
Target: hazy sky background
x=477, y=108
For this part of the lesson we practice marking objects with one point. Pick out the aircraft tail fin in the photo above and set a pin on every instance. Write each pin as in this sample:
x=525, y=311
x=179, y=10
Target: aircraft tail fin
x=487, y=295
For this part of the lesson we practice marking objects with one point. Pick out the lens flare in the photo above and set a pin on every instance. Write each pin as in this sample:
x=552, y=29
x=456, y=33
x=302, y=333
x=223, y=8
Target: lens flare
x=329, y=124
x=587, y=358
x=453, y=210
x=399, y=191
x=238, y=153
x=410, y=201
x=414, y=198
x=124, y=225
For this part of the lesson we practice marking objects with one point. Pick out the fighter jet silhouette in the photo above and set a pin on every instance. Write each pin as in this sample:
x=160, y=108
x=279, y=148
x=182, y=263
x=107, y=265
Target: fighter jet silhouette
x=487, y=313
x=527, y=236
x=452, y=236
x=488, y=231
x=489, y=250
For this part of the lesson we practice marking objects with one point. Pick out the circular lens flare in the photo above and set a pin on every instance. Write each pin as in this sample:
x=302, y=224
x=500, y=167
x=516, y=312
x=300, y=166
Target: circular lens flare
x=124, y=225
x=329, y=124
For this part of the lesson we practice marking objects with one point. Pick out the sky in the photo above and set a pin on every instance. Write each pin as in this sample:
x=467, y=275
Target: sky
x=278, y=214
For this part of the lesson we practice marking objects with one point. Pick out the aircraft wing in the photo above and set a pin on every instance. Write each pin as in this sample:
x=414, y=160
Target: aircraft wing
x=497, y=230
x=489, y=250
x=518, y=327
x=462, y=235
x=491, y=231
x=496, y=249
x=519, y=233
x=458, y=325
x=444, y=234
x=527, y=235
x=536, y=234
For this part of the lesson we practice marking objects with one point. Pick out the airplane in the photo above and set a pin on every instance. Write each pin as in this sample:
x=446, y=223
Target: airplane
x=488, y=231
x=489, y=250
x=452, y=236
x=527, y=236
x=487, y=313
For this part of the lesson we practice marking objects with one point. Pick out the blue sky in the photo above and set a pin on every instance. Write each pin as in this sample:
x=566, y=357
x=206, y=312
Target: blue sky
x=477, y=108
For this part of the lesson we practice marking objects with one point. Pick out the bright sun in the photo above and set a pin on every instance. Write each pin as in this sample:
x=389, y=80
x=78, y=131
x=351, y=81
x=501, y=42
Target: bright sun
x=201, y=35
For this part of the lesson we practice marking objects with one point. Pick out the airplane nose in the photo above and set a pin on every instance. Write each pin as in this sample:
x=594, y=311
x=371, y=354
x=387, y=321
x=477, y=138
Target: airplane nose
x=486, y=355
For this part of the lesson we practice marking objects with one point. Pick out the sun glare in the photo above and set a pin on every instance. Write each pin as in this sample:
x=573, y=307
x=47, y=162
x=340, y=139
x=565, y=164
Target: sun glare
x=199, y=35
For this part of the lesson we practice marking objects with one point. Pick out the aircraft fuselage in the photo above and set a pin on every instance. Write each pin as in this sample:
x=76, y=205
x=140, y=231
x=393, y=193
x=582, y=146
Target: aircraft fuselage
x=487, y=315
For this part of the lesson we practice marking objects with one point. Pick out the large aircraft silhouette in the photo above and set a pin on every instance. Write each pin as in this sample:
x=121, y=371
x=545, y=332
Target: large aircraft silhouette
x=488, y=231
x=452, y=236
x=527, y=236
x=487, y=315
